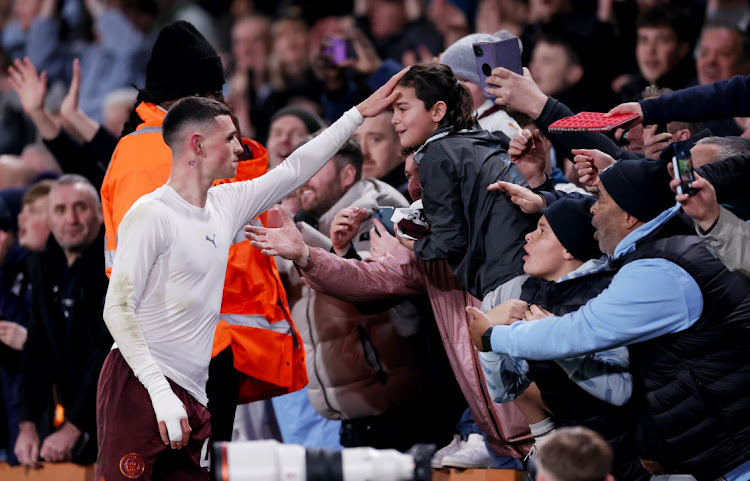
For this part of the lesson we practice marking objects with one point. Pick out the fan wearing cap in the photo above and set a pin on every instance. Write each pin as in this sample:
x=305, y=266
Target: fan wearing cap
x=460, y=58
x=183, y=64
x=567, y=270
x=683, y=316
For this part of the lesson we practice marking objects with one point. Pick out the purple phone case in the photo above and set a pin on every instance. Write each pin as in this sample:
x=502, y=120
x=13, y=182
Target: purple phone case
x=337, y=51
x=503, y=53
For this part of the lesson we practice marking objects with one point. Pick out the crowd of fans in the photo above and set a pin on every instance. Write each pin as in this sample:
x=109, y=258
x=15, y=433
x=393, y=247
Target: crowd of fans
x=564, y=282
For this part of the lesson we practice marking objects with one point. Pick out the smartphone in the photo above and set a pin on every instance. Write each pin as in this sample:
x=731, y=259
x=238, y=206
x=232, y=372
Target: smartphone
x=384, y=214
x=503, y=53
x=682, y=166
x=339, y=50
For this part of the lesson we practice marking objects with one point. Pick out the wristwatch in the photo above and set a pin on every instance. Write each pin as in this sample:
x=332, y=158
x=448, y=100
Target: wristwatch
x=486, y=345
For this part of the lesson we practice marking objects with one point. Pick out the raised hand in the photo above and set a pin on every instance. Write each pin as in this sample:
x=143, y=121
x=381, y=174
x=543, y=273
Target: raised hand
x=30, y=86
x=702, y=206
x=654, y=143
x=69, y=104
x=590, y=163
x=344, y=227
x=285, y=241
x=516, y=92
x=382, y=98
x=528, y=201
x=527, y=152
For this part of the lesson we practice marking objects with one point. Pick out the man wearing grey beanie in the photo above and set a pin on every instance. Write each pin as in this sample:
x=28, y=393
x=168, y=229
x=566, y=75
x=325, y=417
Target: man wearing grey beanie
x=460, y=58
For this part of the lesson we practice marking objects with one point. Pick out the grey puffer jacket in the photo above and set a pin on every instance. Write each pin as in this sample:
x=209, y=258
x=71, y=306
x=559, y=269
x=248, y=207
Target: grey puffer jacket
x=358, y=365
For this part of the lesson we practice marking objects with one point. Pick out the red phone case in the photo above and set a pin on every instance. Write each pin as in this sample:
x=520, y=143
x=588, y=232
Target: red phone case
x=591, y=122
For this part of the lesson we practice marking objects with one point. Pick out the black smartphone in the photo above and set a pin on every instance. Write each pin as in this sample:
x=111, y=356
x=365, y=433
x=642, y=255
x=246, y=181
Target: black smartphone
x=682, y=166
x=503, y=53
x=384, y=214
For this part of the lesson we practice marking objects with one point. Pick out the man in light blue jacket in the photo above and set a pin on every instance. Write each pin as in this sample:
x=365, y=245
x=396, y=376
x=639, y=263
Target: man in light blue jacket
x=684, y=316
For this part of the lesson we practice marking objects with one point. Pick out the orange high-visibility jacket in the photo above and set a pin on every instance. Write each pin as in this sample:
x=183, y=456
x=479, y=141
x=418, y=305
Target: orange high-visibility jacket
x=256, y=321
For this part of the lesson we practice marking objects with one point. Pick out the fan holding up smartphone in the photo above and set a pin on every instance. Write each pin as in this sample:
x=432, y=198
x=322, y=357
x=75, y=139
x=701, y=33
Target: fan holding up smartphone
x=502, y=53
x=339, y=50
x=682, y=166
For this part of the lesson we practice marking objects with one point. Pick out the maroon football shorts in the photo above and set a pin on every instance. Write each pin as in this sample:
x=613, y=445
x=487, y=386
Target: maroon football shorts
x=130, y=446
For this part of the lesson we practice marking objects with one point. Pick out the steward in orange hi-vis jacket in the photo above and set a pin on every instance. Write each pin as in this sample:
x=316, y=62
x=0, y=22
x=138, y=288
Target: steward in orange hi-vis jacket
x=256, y=323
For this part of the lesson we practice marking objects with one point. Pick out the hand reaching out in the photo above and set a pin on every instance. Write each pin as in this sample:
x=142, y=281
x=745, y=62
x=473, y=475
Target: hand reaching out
x=345, y=225
x=508, y=312
x=527, y=151
x=628, y=108
x=589, y=163
x=528, y=201
x=285, y=241
x=479, y=325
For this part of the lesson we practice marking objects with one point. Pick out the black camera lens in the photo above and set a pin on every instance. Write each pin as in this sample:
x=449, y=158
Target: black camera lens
x=478, y=51
x=486, y=69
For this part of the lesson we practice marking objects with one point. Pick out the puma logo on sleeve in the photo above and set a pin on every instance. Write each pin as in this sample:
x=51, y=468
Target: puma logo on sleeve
x=212, y=241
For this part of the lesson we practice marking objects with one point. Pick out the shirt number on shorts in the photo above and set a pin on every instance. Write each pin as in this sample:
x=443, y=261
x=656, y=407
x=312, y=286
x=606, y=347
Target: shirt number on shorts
x=205, y=456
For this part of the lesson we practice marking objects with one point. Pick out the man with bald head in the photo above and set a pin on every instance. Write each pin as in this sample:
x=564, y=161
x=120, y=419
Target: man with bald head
x=13, y=172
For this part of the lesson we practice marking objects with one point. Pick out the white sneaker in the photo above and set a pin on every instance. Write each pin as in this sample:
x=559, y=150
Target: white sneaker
x=453, y=447
x=473, y=454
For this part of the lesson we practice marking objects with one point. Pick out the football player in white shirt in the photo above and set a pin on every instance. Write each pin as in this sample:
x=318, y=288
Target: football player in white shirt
x=165, y=291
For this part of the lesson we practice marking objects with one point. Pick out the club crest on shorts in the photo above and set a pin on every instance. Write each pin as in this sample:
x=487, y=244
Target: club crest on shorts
x=132, y=465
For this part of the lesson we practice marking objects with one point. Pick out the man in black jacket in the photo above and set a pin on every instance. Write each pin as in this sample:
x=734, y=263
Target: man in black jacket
x=67, y=339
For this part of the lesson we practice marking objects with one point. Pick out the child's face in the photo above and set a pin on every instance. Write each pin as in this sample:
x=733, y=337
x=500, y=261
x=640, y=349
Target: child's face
x=412, y=121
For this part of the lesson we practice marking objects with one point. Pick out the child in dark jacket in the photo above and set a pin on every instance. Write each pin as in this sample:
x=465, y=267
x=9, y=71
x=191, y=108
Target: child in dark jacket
x=480, y=232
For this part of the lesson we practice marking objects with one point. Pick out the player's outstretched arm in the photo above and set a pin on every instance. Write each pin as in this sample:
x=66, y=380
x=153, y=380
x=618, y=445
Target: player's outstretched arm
x=256, y=196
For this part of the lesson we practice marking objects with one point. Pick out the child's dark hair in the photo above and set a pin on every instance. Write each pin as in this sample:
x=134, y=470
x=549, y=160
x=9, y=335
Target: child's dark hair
x=434, y=82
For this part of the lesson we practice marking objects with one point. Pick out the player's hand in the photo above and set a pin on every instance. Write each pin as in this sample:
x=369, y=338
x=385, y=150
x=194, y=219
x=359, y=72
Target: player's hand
x=382, y=98
x=508, y=312
x=13, y=335
x=285, y=241
x=58, y=446
x=478, y=326
x=535, y=312
x=528, y=201
x=27, y=445
x=517, y=92
x=344, y=228
x=590, y=163
x=628, y=108
x=174, y=427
